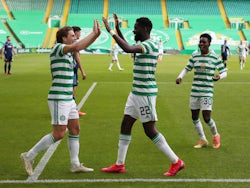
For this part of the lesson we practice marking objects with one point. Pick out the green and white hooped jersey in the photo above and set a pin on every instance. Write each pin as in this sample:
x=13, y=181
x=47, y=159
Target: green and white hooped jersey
x=144, y=82
x=242, y=50
x=62, y=74
x=204, y=70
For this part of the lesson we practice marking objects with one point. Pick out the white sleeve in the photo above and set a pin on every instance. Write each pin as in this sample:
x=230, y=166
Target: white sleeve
x=223, y=75
x=183, y=73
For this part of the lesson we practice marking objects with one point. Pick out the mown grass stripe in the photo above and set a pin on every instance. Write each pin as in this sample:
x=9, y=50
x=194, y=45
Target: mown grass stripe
x=131, y=180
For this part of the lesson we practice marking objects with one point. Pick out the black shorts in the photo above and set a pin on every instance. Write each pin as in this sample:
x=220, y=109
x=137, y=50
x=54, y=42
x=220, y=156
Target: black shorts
x=8, y=59
x=224, y=56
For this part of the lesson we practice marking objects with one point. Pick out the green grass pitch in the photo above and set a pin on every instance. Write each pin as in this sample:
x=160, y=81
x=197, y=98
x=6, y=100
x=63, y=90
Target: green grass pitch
x=25, y=118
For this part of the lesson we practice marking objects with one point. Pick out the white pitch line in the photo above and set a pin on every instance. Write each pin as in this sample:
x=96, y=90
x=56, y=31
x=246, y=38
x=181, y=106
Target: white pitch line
x=173, y=83
x=46, y=157
x=221, y=83
x=42, y=163
x=130, y=180
x=86, y=95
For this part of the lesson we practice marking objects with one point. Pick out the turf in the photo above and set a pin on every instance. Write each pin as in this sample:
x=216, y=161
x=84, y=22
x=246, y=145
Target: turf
x=25, y=118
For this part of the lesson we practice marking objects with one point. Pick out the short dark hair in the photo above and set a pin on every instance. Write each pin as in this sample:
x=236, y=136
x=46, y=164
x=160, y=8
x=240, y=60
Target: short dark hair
x=145, y=22
x=76, y=28
x=206, y=35
x=63, y=32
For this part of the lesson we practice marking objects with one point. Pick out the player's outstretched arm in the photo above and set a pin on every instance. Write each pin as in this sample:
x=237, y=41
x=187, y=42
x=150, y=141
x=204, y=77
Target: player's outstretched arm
x=117, y=27
x=85, y=42
x=220, y=76
x=181, y=75
x=122, y=43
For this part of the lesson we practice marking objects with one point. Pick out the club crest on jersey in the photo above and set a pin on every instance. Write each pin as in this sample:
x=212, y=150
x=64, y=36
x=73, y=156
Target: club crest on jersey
x=203, y=65
x=62, y=117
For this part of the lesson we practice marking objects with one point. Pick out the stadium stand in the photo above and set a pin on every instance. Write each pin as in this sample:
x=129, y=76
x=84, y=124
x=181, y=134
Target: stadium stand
x=57, y=8
x=179, y=13
x=86, y=7
x=184, y=7
x=82, y=12
x=238, y=11
x=30, y=34
x=237, y=8
x=27, y=27
x=3, y=30
x=26, y=5
x=134, y=7
x=187, y=20
x=3, y=33
x=247, y=34
x=209, y=19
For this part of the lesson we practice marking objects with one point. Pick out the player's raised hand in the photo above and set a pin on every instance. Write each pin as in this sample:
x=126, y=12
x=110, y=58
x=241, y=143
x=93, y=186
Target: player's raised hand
x=97, y=28
x=105, y=21
x=116, y=20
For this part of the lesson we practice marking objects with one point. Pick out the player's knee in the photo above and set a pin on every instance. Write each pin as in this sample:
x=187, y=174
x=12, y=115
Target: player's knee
x=150, y=131
x=147, y=133
x=195, y=117
x=58, y=135
x=207, y=119
x=74, y=131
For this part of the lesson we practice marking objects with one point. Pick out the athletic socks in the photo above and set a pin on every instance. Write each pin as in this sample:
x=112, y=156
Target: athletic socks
x=212, y=127
x=43, y=144
x=159, y=140
x=9, y=67
x=111, y=65
x=118, y=65
x=199, y=129
x=124, y=141
x=5, y=67
x=48, y=140
x=74, y=146
x=162, y=144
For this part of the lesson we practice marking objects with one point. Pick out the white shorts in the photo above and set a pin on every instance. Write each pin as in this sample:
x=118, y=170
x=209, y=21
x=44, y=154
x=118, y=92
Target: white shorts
x=202, y=103
x=141, y=107
x=62, y=111
x=241, y=56
x=114, y=57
